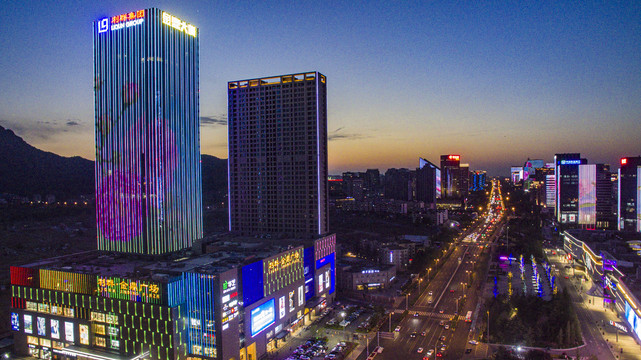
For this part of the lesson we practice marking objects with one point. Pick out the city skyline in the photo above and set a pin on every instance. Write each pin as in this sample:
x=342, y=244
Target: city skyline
x=471, y=79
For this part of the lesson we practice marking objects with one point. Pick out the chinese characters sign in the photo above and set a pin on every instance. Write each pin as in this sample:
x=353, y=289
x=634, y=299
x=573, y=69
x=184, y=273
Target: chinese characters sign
x=121, y=21
x=178, y=24
x=126, y=289
x=284, y=262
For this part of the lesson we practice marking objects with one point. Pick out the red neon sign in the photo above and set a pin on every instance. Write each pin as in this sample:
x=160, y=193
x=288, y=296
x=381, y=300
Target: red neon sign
x=624, y=161
x=454, y=157
x=129, y=16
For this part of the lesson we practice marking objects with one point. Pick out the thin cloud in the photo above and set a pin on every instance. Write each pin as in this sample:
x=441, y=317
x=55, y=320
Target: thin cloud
x=214, y=120
x=338, y=134
x=40, y=129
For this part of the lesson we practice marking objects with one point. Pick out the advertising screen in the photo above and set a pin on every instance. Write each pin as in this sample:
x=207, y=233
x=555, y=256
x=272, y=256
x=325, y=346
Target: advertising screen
x=28, y=324
x=84, y=334
x=292, y=307
x=15, y=322
x=301, y=295
x=438, y=183
x=262, y=317
x=587, y=194
x=42, y=326
x=321, y=283
x=69, y=331
x=281, y=307
x=55, y=329
x=633, y=320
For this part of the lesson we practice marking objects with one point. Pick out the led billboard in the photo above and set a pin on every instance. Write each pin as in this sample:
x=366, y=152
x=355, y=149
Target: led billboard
x=633, y=320
x=262, y=316
x=587, y=194
x=438, y=183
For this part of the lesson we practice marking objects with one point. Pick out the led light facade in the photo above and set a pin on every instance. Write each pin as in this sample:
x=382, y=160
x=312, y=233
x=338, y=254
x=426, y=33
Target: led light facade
x=148, y=175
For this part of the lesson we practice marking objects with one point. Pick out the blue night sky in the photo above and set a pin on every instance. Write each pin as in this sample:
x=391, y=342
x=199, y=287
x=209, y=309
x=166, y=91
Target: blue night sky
x=496, y=82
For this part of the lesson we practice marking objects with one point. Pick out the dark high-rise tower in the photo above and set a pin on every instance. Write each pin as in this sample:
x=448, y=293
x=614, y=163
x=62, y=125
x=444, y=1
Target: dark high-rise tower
x=428, y=182
x=278, y=155
x=629, y=194
x=148, y=176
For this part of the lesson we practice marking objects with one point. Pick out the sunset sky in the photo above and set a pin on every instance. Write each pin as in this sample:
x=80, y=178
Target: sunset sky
x=496, y=82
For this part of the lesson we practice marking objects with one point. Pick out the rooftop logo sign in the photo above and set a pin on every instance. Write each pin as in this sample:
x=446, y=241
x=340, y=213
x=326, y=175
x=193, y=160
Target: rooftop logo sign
x=178, y=24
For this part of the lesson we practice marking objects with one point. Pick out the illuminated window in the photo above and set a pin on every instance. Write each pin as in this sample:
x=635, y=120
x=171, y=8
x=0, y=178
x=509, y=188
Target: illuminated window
x=100, y=341
x=32, y=306
x=100, y=329
x=96, y=316
x=69, y=312
x=32, y=340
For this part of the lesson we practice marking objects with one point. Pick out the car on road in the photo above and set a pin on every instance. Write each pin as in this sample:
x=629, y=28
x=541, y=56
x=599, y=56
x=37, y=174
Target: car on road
x=419, y=350
x=442, y=338
x=441, y=311
x=429, y=293
x=398, y=328
x=413, y=335
x=423, y=333
x=416, y=314
x=429, y=353
x=438, y=354
x=467, y=351
x=473, y=342
x=441, y=323
x=443, y=347
x=447, y=326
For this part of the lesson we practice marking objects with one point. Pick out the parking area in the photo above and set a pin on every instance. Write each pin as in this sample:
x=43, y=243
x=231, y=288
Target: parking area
x=318, y=349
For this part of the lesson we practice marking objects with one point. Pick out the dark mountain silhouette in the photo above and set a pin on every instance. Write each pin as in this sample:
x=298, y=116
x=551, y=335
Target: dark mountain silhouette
x=26, y=170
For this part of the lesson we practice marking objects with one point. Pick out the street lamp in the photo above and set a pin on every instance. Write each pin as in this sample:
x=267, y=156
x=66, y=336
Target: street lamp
x=419, y=286
x=407, y=301
x=428, y=274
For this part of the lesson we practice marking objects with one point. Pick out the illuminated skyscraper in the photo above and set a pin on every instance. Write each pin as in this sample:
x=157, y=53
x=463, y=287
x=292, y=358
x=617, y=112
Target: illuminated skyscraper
x=567, y=187
x=148, y=176
x=451, y=176
x=278, y=155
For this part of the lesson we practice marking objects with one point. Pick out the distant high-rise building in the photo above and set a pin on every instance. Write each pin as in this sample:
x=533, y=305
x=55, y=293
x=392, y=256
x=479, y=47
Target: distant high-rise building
x=372, y=182
x=629, y=191
x=278, y=155
x=428, y=182
x=148, y=175
x=451, y=176
x=567, y=187
x=516, y=174
x=398, y=184
x=478, y=180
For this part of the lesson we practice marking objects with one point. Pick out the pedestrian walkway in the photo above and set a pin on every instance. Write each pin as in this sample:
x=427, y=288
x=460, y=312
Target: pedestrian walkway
x=426, y=313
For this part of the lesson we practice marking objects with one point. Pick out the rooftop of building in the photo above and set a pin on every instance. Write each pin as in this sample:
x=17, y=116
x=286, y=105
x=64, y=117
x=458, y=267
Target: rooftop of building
x=213, y=254
x=275, y=80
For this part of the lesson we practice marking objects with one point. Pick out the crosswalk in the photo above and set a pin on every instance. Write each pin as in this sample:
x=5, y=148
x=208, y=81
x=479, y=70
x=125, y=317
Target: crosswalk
x=431, y=314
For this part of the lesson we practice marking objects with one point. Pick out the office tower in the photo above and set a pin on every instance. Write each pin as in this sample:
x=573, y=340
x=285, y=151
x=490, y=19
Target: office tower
x=629, y=190
x=148, y=176
x=567, y=187
x=464, y=180
x=372, y=183
x=398, y=185
x=451, y=176
x=595, y=196
x=428, y=182
x=516, y=174
x=278, y=155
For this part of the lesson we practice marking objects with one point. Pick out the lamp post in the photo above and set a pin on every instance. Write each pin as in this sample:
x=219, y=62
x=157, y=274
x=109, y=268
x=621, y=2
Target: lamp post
x=390, y=321
x=407, y=301
x=419, y=286
x=428, y=274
